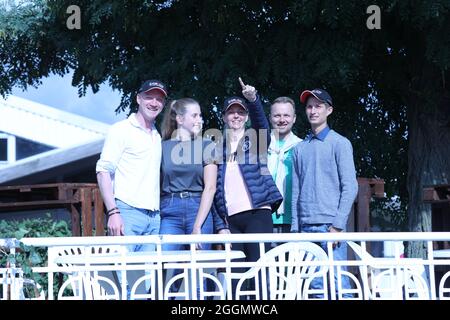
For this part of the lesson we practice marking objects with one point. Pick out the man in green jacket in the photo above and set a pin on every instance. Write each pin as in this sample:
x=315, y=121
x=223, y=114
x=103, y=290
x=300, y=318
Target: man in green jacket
x=283, y=140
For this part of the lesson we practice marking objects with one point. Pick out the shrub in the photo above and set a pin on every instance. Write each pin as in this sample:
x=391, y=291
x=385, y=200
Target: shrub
x=27, y=257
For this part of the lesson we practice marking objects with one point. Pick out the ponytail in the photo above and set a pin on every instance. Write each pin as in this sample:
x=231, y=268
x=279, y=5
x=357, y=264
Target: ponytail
x=176, y=107
x=169, y=123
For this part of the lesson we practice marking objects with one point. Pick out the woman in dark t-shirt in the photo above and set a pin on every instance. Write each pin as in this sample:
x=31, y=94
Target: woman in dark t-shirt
x=188, y=173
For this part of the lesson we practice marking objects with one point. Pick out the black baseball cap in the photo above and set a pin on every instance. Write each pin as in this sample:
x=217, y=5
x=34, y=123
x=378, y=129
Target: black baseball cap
x=320, y=94
x=234, y=100
x=151, y=85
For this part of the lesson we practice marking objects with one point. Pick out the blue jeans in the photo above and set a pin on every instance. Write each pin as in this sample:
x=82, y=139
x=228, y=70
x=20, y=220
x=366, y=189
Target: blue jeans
x=339, y=253
x=139, y=222
x=178, y=217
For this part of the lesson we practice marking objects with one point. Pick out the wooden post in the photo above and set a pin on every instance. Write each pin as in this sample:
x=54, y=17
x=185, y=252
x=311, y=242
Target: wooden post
x=439, y=197
x=351, y=223
x=363, y=205
x=99, y=213
x=86, y=211
x=75, y=219
x=367, y=188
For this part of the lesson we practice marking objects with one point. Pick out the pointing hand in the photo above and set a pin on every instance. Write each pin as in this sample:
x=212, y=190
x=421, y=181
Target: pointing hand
x=248, y=91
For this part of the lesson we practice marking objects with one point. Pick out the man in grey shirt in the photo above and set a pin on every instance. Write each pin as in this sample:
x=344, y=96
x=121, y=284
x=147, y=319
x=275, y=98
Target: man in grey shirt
x=324, y=184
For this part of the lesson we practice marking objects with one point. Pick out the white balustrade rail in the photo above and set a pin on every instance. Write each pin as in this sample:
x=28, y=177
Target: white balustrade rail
x=90, y=265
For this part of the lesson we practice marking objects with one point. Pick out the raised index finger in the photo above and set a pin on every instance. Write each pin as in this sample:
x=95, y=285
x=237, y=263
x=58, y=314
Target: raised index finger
x=242, y=83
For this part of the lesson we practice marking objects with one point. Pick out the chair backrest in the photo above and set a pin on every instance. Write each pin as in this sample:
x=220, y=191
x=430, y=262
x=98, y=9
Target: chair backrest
x=86, y=285
x=61, y=251
x=389, y=281
x=290, y=269
x=293, y=280
x=358, y=250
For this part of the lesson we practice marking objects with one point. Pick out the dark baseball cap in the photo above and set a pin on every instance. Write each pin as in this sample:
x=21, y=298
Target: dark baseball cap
x=234, y=100
x=152, y=85
x=320, y=94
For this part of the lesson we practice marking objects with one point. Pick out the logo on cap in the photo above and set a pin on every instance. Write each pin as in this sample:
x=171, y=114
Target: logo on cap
x=151, y=85
x=320, y=94
x=234, y=100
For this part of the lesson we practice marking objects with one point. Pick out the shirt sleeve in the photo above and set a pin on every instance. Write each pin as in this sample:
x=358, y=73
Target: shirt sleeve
x=348, y=182
x=112, y=151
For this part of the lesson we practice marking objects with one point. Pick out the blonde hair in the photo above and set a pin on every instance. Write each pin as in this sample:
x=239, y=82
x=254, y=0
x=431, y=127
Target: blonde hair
x=283, y=100
x=175, y=108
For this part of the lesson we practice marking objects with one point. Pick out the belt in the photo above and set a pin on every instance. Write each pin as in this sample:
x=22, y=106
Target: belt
x=184, y=194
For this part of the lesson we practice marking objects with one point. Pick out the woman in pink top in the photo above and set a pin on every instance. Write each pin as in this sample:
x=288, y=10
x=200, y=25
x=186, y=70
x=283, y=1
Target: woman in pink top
x=246, y=193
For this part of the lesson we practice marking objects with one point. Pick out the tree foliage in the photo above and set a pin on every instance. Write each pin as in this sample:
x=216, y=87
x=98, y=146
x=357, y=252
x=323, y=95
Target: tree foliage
x=384, y=82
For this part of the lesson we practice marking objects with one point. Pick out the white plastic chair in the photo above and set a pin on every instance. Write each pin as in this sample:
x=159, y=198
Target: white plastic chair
x=290, y=268
x=384, y=279
x=89, y=285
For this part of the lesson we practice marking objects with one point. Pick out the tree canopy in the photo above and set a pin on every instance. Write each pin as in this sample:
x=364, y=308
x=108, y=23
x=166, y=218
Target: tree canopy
x=389, y=85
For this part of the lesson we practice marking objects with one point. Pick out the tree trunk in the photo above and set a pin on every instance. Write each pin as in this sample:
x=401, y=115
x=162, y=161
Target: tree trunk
x=428, y=159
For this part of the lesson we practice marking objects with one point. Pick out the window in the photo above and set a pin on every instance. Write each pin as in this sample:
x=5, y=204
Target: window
x=3, y=149
x=14, y=148
x=7, y=148
x=27, y=148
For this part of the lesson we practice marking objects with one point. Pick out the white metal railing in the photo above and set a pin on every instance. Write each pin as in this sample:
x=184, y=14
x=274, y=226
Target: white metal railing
x=90, y=265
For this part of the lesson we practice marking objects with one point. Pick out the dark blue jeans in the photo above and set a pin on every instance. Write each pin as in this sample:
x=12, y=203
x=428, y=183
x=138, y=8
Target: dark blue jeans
x=178, y=217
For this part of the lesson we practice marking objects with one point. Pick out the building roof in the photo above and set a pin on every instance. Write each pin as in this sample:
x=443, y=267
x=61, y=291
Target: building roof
x=74, y=138
x=46, y=125
x=57, y=158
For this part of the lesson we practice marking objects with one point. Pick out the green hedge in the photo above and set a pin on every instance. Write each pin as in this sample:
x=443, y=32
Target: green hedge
x=34, y=228
x=29, y=257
